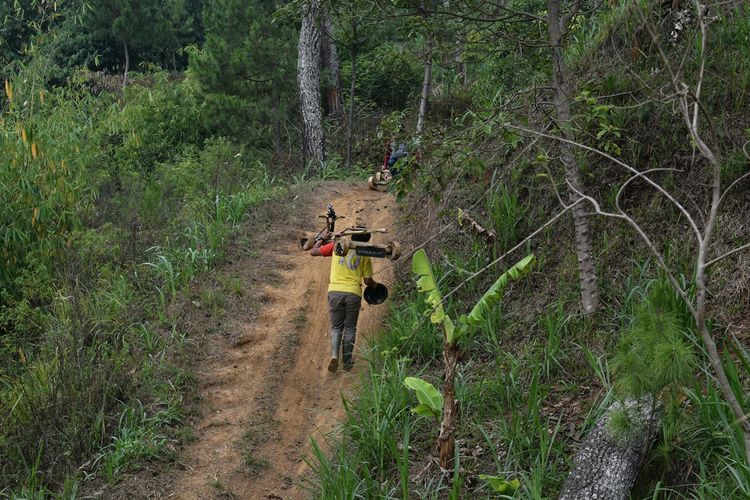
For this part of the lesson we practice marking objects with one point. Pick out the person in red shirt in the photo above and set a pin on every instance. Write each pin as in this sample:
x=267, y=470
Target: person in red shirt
x=348, y=272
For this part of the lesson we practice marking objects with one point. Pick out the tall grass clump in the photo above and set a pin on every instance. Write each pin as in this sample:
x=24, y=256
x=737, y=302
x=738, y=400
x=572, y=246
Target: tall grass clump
x=370, y=450
x=507, y=213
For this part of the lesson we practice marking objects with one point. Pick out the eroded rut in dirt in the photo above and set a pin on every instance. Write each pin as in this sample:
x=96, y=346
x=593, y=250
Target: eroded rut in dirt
x=268, y=394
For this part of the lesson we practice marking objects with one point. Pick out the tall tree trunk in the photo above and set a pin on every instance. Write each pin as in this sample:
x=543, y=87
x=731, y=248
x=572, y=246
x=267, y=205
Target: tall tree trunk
x=350, y=124
x=557, y=25
x=425, y=86
x=334, y=94
x=446, y=438
x=127, y=65
x=308, y=78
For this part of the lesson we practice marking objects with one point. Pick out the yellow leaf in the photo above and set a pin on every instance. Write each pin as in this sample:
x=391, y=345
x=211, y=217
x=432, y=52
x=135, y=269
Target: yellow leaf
x=8, y=90
x=23, y=135
x=21, y=355
x=34, y=215
x=41, y=96
x=34, y=151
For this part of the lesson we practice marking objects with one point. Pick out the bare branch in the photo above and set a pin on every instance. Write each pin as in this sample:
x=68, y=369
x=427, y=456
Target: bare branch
x=473, y=205
x=638, y=176
x=570, y=15
x=593, y=202
x=554, y=186
x=655, y=39
x=656, y=185
x=699, y=311
x=659, y=258
x=519, y=245
x=736, y=181
x=701, y=71
x=731, y=252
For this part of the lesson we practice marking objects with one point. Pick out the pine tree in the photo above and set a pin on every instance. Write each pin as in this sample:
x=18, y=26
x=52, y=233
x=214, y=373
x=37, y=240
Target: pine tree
x=133, y=24
x=247, y=65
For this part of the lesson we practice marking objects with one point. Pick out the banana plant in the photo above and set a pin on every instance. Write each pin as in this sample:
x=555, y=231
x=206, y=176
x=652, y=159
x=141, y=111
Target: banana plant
x=430, y=400
x=454, y=331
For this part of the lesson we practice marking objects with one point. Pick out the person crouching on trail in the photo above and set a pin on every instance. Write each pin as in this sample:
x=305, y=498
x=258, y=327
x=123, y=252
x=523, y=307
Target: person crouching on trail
x=344, y=295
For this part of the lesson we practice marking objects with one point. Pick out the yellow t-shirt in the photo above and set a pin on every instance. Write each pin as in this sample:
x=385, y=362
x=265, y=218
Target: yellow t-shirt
x=347, y=273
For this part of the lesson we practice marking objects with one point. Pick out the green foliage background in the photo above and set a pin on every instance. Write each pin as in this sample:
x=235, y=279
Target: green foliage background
x=114, y=201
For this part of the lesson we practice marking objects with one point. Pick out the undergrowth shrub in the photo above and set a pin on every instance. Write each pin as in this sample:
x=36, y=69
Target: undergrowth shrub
x=151, y=126
x=56, y=405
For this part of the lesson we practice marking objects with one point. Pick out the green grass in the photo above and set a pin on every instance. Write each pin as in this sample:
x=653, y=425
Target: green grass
x=521, y=405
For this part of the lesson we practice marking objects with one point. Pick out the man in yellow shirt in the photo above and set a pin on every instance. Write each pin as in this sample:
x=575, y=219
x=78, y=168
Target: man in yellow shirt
x=344, y=296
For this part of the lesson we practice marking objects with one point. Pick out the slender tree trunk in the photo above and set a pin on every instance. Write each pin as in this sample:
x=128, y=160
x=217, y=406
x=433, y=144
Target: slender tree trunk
x=584, y=248
x=446, y=439
x=308, y=78
x=127, y=65
x=350, y=124
x=277, y=120
x=425, y=86
x=461, y=68
x=334, y=94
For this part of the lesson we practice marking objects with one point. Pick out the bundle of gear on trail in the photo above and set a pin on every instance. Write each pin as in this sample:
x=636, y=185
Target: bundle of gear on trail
x=354, y=238
x=380, y=179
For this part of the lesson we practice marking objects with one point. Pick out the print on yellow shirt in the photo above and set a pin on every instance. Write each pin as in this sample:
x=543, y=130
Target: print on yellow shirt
x=347, y=273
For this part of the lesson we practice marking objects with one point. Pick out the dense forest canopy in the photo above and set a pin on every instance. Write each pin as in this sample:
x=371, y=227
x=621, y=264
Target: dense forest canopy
x=611, y=140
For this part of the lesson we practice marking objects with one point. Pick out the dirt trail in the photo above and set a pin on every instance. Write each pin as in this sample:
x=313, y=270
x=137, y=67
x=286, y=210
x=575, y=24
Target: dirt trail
x=265, y=398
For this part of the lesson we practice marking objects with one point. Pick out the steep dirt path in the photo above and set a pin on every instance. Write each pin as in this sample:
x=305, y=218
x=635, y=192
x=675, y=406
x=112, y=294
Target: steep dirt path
x=265, y=398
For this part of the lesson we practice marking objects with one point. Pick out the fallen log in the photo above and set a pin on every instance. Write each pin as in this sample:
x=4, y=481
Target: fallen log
x=607, y=464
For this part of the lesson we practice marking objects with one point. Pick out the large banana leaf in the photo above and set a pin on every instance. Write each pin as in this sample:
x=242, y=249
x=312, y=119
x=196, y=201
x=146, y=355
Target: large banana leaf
x=420, y=266
x=493, y=295
x=426, y=283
